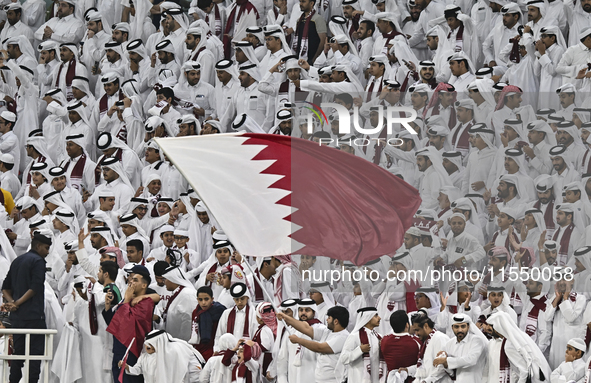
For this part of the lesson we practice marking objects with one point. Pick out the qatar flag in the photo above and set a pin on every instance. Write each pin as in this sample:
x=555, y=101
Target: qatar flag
x=277, y=195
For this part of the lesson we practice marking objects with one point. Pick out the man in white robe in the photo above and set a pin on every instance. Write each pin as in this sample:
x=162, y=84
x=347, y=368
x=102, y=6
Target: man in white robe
x=512, y=354
x=180, y=306
x=433, y=342
x=296, y=363
x=363, y=359
x=465, y=354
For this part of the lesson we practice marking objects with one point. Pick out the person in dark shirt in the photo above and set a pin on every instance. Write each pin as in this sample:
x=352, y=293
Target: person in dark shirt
x=135, y=319
x=205, y=320
x=24, y=293
x=310, y=34
x=400, y=349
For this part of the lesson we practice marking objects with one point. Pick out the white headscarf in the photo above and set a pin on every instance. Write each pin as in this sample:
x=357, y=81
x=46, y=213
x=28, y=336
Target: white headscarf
x=176, y=275
x=117, y=167
x=542, y=126
x=527, y=348
x=364, y=315
x=169, y=362
x=437, y=162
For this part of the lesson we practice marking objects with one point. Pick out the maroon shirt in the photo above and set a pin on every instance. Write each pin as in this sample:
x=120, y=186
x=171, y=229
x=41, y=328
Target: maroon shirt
x=400, y=351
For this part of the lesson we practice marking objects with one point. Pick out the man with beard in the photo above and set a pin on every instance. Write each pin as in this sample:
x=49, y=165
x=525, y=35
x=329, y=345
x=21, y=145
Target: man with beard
x=564, y=171
x=566, y=96
x=197, y=51
x=545, y=202
x=364, y=42
x=296, y=363
x=463, y=356
x=426, y=73
x=460, y=136
x=284, y=127
x=327, y=341
x=408, y=27
x=507, y=30
x=65, y=27
x=194, y=92
x=512, y=354
x=361, y=352
x=461, y=75
x=462, y=248
x=434, y=177
x=569, y=236
x=432, y=342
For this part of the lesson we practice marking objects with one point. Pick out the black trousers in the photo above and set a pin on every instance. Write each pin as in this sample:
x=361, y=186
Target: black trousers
x=37, y=348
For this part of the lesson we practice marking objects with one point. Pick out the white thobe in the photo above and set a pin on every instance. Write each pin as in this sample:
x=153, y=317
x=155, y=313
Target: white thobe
x=65, y=30
x=550, y=80
x=238, y=324
x=467, y=357
x=567, y=323
x=570, y=371
x=352, y=357
x=430, y=184
x=461, y=83
x=178, y=318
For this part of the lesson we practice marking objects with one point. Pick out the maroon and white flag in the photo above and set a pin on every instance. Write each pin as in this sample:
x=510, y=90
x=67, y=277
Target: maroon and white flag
x=277, y=195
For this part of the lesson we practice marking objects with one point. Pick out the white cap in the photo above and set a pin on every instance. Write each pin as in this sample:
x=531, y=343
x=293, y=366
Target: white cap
x=7, y=158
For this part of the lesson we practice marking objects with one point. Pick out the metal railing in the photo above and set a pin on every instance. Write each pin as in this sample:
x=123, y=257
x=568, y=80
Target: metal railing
x=47, y=355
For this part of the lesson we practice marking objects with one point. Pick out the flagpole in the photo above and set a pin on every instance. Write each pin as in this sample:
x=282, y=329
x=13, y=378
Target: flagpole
x=122, y=371
x=265, y=292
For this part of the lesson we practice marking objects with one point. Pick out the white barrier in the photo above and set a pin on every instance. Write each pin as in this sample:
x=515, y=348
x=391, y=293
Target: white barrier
x=47, y=355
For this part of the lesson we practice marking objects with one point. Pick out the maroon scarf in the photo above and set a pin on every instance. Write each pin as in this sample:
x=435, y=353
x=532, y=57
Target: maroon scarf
x=410, y=295
x=258, y=291
x=532, y=316
x=77, y=172
x=243, y=6
x=507, y=242
x=267, y=354
x=172, y=298
x=424, y=348
x=378, y=146
x=354, y=26
x=69, y=77
x=196, y=55
x=92, y=315
x=515, y=56
x=232, y=319
x=218, y=21
x=370, y=89
x=212, y=269
x=442, y=212
x=390, y=36
x=462, y=142
x=549, y=215
x=564, y=241
x=104, y=103
x=452, y=117
x=586, y=165
x=460, y=34
x=364, y=339
x=300, y=44
x=299, y=95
